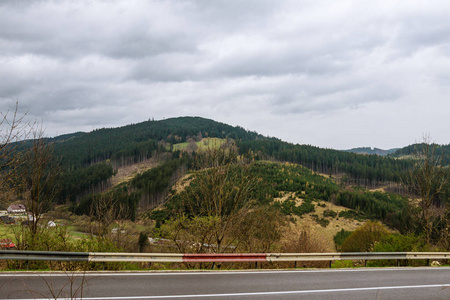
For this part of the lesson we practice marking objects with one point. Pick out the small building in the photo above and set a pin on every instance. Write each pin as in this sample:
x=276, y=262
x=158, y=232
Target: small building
x=6, y=244
x=16, y=209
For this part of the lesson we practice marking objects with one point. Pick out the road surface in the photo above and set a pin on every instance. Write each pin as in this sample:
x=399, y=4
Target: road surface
x=382, y=283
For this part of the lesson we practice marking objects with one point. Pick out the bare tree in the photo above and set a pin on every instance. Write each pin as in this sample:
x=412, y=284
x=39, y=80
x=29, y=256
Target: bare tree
x=260, y=231
x=428, y=180
x=106, y=210
x=192, y=146
x=222, y=189
x=13, y=128
x=102, y=213
x=36, y=178
x=304, y=240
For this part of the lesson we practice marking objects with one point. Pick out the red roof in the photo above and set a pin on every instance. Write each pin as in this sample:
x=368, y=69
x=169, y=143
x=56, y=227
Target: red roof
x=6, y=243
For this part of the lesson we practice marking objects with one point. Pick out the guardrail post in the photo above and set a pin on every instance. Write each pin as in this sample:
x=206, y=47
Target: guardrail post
x=256, y=265
x=331, y=263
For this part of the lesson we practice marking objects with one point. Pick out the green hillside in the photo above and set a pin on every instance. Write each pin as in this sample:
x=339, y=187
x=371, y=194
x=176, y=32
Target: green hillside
x=442, y=151
x=91, y=159
x=365, y=170
x=277, y=179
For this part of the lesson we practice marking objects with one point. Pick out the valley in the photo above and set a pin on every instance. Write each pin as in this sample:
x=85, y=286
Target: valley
x=193, y=181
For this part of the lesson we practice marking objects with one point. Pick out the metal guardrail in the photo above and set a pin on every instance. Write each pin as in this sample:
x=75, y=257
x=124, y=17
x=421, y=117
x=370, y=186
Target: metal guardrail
x=44, y=255
x=211, y=257
x=135, y=257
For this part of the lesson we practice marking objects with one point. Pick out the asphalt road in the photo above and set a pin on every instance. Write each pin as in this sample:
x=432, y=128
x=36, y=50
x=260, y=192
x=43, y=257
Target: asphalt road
x=386, y=283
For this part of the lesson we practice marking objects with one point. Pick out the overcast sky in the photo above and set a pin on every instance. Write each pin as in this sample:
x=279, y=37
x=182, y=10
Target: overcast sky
x=335, y=74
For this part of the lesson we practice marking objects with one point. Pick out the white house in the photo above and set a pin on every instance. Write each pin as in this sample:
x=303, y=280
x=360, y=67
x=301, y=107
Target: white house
x=16, y=209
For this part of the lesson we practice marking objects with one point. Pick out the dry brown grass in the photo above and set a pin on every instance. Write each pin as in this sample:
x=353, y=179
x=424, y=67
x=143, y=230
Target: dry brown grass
x=324, y=233
x=127, y=173
x=181, y=184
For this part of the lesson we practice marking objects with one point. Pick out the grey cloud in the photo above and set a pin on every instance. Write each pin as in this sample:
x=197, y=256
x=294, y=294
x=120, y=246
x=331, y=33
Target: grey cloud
x=73, y=29
x=87, y=64
x=135, y=47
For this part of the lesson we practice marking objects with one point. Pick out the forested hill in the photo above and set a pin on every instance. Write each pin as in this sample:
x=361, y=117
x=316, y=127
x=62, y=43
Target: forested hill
x=358, y=169
x=90, y=159
x=139, y=141
x=442, y=151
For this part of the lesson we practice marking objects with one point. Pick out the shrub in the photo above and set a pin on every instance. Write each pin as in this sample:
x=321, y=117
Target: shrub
x=363, y=239
x=401, y=243
x=340, y=237
x=330, y=213
x=305, y=208
x=321, y=221
x=352, y=215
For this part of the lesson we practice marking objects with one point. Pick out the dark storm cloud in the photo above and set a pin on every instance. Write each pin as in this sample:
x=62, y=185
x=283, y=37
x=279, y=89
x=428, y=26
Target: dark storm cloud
x=281, y=68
